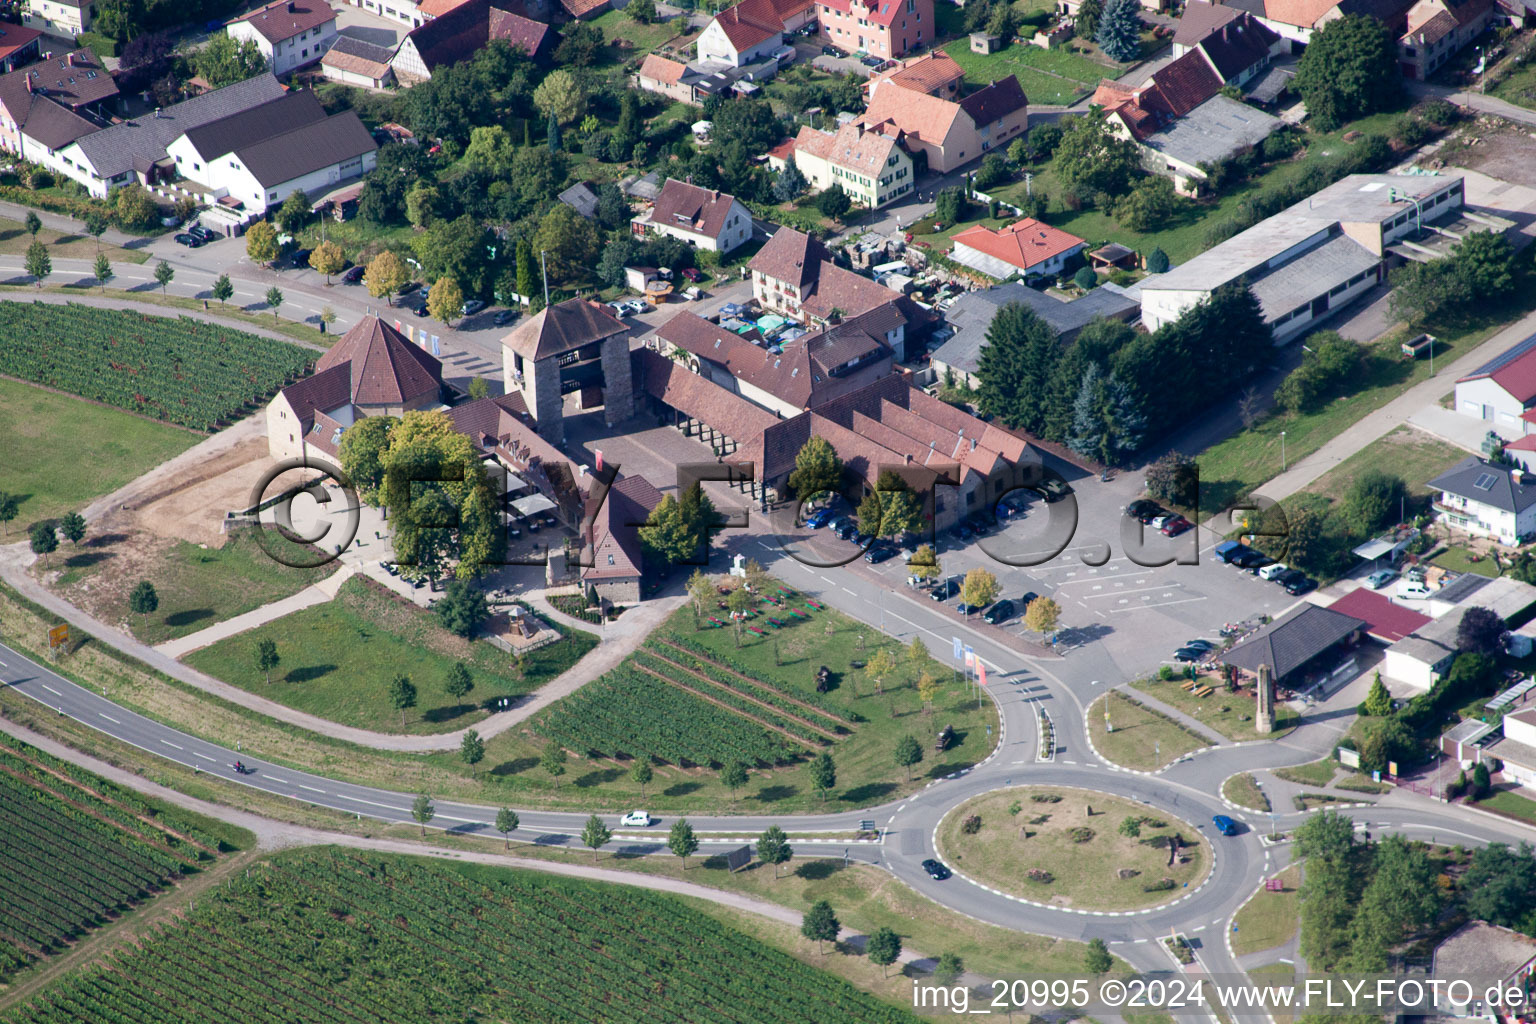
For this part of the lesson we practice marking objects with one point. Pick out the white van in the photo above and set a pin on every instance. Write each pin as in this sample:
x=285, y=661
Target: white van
x=1413, y=589
x=1272, y=570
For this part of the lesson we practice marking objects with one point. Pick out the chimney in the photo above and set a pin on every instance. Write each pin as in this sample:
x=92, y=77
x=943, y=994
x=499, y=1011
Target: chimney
x=29, y=83
x=71, y=58
x=909, y=458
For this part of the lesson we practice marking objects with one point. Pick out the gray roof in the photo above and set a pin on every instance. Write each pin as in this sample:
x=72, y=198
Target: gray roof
x=1482, y=950
x=581, y=198
x=272, y=118
x=648, y=187
x=1213, y=131
x=1499, y=487
x=1311, y=274
x=1266, y=88
x=1462, y=587
x=307, y=148
x=1293, y=640
x=1424, y=650
x=138, y=143
x=972, y=314
x=355, y=47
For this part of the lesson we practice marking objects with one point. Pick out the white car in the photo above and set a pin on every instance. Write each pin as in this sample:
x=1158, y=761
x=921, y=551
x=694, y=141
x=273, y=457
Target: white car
x=639, y=819
x=1272, y=570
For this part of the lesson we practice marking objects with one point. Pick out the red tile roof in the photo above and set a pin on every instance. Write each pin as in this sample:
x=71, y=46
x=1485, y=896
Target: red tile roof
x=933, y=73
x=1180, y=85
x=1301, y=13
x=437, y=8
x=562, y=327
x=612, y=533
x=285, y=19
x=1200, y=19
x=790, y=256
x=688, y=207
x=386, y=368
x=14, y=37
x=1024, y=244
x=532, y=37
x=660, y=69
x=1384, y=619
x=679, y=388
x=750, y=22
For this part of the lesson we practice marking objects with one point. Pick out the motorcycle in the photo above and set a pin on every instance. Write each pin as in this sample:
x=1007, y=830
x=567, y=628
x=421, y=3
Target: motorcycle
x=240, y=769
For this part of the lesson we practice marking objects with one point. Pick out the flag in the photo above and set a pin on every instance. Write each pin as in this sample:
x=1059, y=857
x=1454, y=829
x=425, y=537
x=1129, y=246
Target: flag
x=959, y=649
x=970, y=657
x=981, y=672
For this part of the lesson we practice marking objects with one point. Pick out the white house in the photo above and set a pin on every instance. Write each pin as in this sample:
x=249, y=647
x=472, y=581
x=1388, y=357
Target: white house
x=1486, y=500
x=65, y=19
x=750, y=31
x=1027, y=248
x=704, y=218
x=1502, y=391
x=289, y=33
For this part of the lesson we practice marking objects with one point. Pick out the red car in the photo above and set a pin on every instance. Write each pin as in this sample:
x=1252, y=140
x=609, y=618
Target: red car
x=692, y=274
x=1176, y=526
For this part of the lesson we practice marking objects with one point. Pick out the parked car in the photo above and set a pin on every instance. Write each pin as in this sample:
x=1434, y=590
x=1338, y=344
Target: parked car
x=1149, y=515
x=871, y=62
x=831, y=51
x=1175, y=526
x=504, y=317
x=619, y=309
x=981, y=523
x=1188, y=655
x=819, y=518
x=968, y=609
x=408, y=287
x=1256, y=561
x=880, y=553
x=962, y=531
x=300, y=258
x=206, y=234
x=1141, y=506
x=1000, y=612
x=188, y=239
x=1225, y=825
x=946, y=590
x=1228, y=550
x=1272, y=570
x=471, y=307
x=691, y=274
x=936, y=871
x=1305, y=585
x=1287, y=577
x=1200, y=645
x=1029, y=598
x=640, y=819
x=354, y=274
x=1380, y=578
x=421, y=308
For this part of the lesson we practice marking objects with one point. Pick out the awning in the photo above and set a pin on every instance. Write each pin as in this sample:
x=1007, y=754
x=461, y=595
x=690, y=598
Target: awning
x=532, y=505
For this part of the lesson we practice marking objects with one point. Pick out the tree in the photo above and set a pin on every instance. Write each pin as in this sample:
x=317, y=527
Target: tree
x=733, y=776
x=1091, y=159
x=402, y=695
x=918, y=654
x=506, y=823
x=1481, y=781
x=594, y=835
x=95, y=226
x=327, y=258
x=641, y=773
x=820, y=924
x=677, y=532
x=833, y=202
x=10, y=507
x=472, y=748
x=560, y=97
x=39, y=264
x=446, y=300
x=224, y=61
x=294, y=211
x=1015, y=368
x=1088, y=15
x=993, y=171
x=880, y=665
x=773, y=848
x=223, y=288
x=261, y=242
x=34, y=223
x=362, y=452
x=1401, y=897
x=1107, y=421
x=1096, y=959
x=267, y=657
x=1157, y=260
x=883, y=947
x=1347, y=71
x=72, y=526
x=1119, y=30
x=979, y=589
x=462, y=608
x=1043, y=615
x=102, y=270
x=1174, y=478
x=681, y=841
x=143, y=600
x=458, y=682
x=44, y=540
x=386, y=274
x=950, y=205
x=553, y=761
x=738, y=602
x=817, y=469
x=927, y=690
x=1481, y=631
x=1378, y=702
x=789, y=183
x=823, y=774
x=423, y=811
x=1374, y=500
x=950, y=966
x=552, y=134
x=1500, y=884
x=908, y=752
x=164, y=274
x=422, y=202
x=1149, y=204
x=569, y=242
x=135, y=207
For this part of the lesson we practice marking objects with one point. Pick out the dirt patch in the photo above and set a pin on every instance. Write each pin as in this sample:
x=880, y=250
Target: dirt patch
x=193, y=504
x=1498, y=148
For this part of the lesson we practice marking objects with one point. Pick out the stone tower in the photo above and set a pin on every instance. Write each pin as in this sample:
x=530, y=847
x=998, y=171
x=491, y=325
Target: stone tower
x=1264, y=717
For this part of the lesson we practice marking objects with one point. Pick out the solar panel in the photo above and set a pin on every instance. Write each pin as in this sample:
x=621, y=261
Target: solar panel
x=1484, y=482
x=1510, y=695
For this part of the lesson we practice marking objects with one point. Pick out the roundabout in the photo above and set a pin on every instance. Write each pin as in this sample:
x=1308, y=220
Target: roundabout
x=1073, y=849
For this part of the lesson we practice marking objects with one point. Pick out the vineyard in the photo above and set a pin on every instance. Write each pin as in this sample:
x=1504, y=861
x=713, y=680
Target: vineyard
x=183, y=371
x=78, y=851
x=340, y=936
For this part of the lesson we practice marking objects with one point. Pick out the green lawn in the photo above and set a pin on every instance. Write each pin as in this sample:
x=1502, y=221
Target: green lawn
x=1519, y=88
x=1054, y=77
x=1142, y=738
x=197, y=586
x=1407, y=452
x=1096, y=869
x=61, y=451
x=1230, y=714
x=1511, y=804
x=1459, y=559
x=1243, y=790
x=1313, y=773
x=1273, y=974
x=642, y=39
x=14, y=240
x=339, y=658
x=1269, y=919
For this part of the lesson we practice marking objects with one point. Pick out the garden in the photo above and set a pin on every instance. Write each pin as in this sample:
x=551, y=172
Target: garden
x=1073, y=848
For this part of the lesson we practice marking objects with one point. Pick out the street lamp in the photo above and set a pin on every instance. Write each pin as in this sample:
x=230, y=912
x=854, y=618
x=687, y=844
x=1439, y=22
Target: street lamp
x=1282, y=451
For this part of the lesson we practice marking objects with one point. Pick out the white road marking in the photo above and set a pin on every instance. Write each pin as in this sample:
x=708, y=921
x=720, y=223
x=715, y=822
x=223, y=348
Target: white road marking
x=205, y=757
x=170, y=744
x=312, y=789
x=51, y=690
x=373, y=803
x=109, y=718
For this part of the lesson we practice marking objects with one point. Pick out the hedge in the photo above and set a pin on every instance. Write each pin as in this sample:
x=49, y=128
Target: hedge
x=97, y=43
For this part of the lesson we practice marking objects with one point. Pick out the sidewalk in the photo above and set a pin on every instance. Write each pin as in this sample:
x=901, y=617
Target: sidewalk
x=66, y=224
x=1476, y=100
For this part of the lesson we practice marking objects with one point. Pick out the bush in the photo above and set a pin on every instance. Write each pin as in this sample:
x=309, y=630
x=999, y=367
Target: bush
x=39, y=178
x=1046, y=798
x=1085, y=278
x=1162, y=885
x=1081, y=834
x=1157, y=262
x=1282, y=145
x=970, y=826
x=1015, y=807
x=1040, y=875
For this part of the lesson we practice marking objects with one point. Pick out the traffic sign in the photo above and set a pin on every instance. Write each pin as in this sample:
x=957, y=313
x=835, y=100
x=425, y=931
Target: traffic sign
x=58, y=636
x=867, y=825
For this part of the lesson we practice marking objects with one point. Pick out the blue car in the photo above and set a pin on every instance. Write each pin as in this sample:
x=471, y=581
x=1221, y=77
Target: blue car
x=1225, y=825
x=816, y=520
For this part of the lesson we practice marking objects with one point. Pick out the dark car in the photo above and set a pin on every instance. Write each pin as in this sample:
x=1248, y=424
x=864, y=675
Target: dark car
x=946, y=590
x=936, y=871
x=299, y=258
x=831, y=51
x=1289, y=576
x=1149, y=512
x=880, y=553
x=1200, y=645
x=354, y=274
x=968, y=609
x=504, y=317
x=981, y=523
x=1029, y=598
x=1305, y=585
x=408, y=287
x=1141, y=506
x=1251, y=560
x=1225, y=825
x=188, y=239
x=420, y=310
x=206, y=234
x=1188, y=655
x=962, y=531
x=871, y=62
x=1000, y=612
